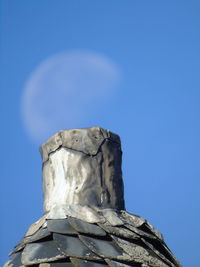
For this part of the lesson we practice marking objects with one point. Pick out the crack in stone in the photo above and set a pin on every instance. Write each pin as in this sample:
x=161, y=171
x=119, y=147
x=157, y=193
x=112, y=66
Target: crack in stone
x=76, y=150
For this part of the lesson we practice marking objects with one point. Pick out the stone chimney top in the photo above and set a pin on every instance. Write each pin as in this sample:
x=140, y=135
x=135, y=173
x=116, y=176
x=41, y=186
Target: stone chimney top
x=83, y=167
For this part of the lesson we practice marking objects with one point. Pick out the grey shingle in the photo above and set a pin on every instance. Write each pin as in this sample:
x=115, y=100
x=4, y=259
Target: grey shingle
x=85, y=227
x=39, y=252
x=61, y=226
x=72, y=246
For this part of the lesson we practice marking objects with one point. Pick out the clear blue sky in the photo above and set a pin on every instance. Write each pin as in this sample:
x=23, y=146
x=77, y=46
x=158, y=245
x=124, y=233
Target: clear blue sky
x=154, y=46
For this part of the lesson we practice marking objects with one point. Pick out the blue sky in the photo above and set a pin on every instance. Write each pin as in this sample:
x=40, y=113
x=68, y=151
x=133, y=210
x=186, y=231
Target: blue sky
x=147, y=90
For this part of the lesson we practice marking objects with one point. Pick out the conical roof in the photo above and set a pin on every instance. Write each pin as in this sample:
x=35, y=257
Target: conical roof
x=85, y=222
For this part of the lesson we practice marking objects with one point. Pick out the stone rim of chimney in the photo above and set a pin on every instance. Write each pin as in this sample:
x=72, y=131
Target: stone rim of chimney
x=68, y=139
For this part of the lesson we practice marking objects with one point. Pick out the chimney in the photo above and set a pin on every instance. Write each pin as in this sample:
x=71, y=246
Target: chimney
x=83, y=166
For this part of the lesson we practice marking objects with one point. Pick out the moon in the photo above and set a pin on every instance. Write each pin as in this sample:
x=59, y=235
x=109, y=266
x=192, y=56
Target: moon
x=64, y=90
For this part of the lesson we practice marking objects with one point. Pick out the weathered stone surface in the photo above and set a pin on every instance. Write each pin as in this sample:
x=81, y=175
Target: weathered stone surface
x=86, y=263
x=132, y=219
x=75, y=238
x=57, y=264
x=14, y=261
x=39, y=235
x=39, y=252
x=113, y=263
x=84, y=213
x=139, y=253
x=60, y=226
x=111, y=216
x=57, y=212
x=86, y=171
x=86, y=140
x=119, y=231
x=86, y=228
x=72, y=246
x=104, y=248
x=165, y=255
x=18, y=247
x=36, y=225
